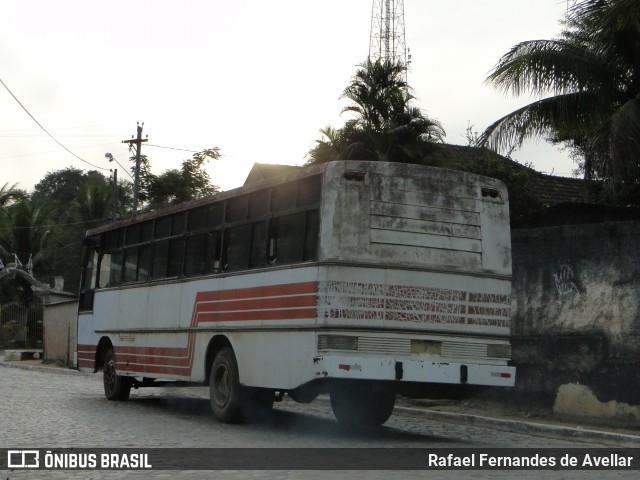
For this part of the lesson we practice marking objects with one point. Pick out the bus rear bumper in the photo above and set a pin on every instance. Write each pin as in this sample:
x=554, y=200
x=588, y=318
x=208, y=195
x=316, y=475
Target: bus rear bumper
x=423, y=371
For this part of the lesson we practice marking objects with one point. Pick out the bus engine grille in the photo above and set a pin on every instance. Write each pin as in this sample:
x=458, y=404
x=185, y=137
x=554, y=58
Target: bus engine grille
x=407, y=346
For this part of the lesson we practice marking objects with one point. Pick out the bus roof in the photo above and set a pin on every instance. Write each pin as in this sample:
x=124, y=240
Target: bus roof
x=247, y=188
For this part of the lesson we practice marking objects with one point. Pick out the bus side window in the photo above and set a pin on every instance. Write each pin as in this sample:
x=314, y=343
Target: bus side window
x=202, y=255
x=293, y=238
x=237, y=248
x=286, y=238
x=194, y=261
x=272, y=247
x=85, y=302
x=312, y=231
x=115, y=270
x=103, y=271
x=89, y=273
x=176, y=257
x=160, y=260
x=258, y=245
x=212, y=252
x=130, y=265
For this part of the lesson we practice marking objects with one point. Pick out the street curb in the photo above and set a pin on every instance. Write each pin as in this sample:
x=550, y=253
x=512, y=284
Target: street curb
x=529, y=428
x=507, y=425
x=519, y=426
x=43, y=368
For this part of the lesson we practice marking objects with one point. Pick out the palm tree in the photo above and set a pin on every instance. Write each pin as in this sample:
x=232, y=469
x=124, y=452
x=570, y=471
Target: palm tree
x=7, y=194
x=24, y=230
x=94, y=202
x=386, y=126
x=588, y=86
x=379, y=92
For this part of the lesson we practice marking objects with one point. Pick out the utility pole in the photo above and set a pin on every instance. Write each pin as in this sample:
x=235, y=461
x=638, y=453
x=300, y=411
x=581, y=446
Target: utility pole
x=136, y=177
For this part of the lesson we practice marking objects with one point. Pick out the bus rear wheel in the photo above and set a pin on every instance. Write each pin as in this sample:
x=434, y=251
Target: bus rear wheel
x=360, y=406
x=116, y=387
x=225, y=391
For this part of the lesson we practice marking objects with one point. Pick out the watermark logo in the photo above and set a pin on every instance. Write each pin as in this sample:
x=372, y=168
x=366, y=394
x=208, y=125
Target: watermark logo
x=23, y=459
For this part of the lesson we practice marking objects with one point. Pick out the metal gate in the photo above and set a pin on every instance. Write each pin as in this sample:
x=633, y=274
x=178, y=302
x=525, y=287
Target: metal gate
x=21, y=327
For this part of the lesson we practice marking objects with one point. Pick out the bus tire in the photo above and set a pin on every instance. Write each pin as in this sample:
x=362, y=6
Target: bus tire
x=225, y=391
x=116, y=387
x=361, y=407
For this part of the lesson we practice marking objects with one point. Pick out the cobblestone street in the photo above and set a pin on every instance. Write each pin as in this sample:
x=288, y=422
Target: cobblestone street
x=59, y=409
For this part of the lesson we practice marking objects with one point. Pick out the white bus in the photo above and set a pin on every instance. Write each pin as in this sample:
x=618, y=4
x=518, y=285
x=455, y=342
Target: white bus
x=358, y=279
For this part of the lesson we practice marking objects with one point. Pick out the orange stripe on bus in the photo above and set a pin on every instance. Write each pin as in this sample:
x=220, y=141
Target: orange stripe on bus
x=146, y=359
x=270, y=303
x=164, y=351
x=290, y=301
x=258, y=292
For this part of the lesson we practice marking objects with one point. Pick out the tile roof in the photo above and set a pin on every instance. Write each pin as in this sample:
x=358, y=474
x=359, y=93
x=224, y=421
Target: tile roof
x=552, y=189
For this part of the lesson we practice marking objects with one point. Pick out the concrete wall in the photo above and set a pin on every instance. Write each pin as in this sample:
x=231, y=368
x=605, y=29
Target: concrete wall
x=60, y=332
x=576, y=318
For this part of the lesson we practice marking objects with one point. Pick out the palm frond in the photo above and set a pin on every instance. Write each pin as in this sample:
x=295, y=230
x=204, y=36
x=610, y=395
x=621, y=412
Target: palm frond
x=625, y=141
x=544, y=67
x=572, y=114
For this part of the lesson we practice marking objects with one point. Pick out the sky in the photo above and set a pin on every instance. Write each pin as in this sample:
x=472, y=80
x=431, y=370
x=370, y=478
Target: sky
x=256, y=78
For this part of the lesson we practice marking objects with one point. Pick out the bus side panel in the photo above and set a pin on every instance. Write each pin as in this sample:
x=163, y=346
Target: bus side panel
x=273, y=359
x=411, y=300
x=163, y=331
x=87, y=342
x=255, y=312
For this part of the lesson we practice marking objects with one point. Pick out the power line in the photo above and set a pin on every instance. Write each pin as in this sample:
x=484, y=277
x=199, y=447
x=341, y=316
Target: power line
x=111, y=157
x=45, y=130
x=53, y=151
x=172, y=148
x=179, y=149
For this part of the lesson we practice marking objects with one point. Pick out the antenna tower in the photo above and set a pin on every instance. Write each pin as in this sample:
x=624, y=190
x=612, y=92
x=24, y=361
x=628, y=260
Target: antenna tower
x=386, y=41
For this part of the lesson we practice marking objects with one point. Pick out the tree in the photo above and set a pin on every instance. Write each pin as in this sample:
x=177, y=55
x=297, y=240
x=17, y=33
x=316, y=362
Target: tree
x=386, y=127
x=79, y=201
x=335, y=144
x=587, y=84
x=94, y=203
x=190, y=182
x=9, y=193
x=23, y=231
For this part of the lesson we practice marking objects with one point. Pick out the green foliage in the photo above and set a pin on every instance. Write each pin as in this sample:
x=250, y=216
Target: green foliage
x=78, y=201
x=24, y=230
x=94, y=203
x=522, y=181
x=50, y=224
x=588, y=86
x=386, y=126
x=9, y=194
x=174, y=186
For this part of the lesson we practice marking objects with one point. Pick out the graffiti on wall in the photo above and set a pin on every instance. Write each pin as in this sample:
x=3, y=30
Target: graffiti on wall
x=565, y=281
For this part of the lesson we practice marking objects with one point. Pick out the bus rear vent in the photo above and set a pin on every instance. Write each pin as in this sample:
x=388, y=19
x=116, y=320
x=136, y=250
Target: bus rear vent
x=354, y=176
x=491, y=194
x=337, y=342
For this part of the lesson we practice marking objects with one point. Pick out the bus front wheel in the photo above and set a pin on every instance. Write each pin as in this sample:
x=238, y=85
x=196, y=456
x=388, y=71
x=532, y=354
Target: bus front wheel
x=225, y=391
x=360, y=406
x=116, y=387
